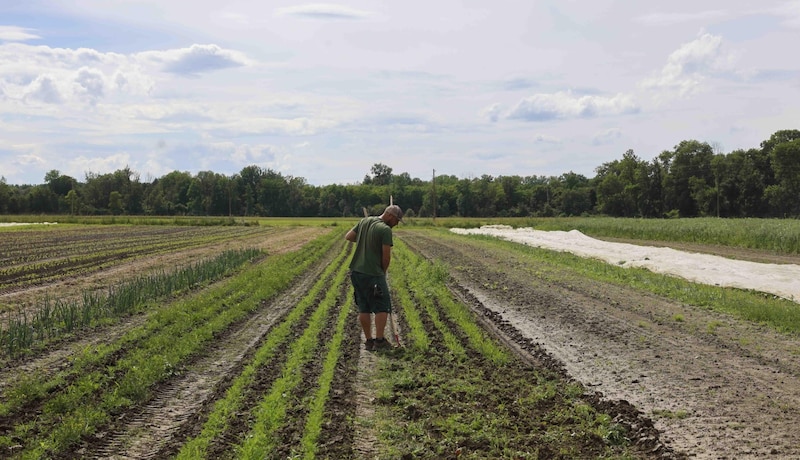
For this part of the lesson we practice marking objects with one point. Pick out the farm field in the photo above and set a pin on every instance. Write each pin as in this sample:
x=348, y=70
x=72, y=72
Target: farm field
x=715, y=386
x=506, y=354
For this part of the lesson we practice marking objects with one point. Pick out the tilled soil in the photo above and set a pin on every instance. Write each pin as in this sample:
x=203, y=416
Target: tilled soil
x=681, y=390
x=715, y=387
x=55, y=356
x=150, y=430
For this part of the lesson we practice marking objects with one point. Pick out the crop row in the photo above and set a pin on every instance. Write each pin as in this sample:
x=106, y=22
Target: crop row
x=453, y=391
x=433, y=402
x=62, y=259
x=456, y=392
x=30, y=245
x=47, y=416
x=284, y=351
x=54, y=317
x=299, y=379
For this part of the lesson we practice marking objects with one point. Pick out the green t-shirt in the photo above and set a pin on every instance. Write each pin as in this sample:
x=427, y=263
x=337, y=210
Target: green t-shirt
x=371, y=234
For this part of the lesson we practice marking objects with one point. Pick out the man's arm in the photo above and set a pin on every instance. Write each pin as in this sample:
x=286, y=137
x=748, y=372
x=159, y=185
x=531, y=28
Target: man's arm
x=386, y=257
x=351, y=236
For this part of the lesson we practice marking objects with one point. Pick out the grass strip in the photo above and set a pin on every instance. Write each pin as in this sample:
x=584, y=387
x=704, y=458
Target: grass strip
x=779, y=235
x=229, y=406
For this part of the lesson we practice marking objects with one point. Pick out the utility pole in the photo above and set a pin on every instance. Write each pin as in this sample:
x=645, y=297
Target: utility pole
x=434, y=195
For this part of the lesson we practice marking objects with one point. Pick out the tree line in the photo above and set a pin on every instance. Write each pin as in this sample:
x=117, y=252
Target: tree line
x=691, y=180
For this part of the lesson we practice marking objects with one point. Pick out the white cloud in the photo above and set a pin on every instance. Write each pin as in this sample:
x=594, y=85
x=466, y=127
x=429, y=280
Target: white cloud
x=44, y=89
x=493, y=112
x=322, y=11
x=16, y=34
x=565, y=105
x=195, y=59
x=18, y=159
x=545, y=139
x=668, y=19
x=608, y=136
x=360, y=82
x=790, y=11
x=689, y=65
x=92, y=83
x=79, y=166
x=81, y=76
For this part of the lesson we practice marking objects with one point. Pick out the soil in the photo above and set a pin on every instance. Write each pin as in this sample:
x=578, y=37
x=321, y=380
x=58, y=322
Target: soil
x=715, y=387
x=706, y=387
x=273, y=241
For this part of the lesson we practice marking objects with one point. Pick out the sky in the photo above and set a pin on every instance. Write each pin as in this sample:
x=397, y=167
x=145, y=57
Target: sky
x=324, y=91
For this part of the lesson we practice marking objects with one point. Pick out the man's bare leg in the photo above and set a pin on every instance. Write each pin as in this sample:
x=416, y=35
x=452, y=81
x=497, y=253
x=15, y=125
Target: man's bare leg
x=366, y=324
x=380, y=324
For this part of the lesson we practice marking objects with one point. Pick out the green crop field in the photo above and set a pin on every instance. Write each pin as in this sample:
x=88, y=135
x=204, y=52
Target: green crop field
x=163, y=339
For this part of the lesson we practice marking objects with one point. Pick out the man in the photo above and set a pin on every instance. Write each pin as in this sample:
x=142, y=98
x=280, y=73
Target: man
x=373, y=239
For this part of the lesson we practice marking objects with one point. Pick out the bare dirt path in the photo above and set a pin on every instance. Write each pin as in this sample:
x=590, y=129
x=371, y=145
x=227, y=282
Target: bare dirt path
x=716, y=387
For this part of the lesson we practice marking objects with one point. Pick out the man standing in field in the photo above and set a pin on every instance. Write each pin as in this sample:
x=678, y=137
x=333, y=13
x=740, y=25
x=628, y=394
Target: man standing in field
x=373, y=239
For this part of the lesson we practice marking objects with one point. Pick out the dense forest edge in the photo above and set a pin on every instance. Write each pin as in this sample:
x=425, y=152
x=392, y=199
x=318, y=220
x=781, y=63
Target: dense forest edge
x=691, y=180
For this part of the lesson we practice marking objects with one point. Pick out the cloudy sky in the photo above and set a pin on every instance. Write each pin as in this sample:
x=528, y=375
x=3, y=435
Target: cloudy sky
x=325, y=90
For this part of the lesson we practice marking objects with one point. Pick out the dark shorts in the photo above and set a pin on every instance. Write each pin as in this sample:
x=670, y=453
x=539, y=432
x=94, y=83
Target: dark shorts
x=371, y=293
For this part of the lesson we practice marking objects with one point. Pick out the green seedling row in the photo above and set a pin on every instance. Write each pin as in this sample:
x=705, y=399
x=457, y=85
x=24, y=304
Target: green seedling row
x=313, y=427
x=87, y=403
x=230, y=405
x=401, y=293
x=427, y=282
x=425, y=299
x=430, y=405
x=271, y=410
x=430, y=280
